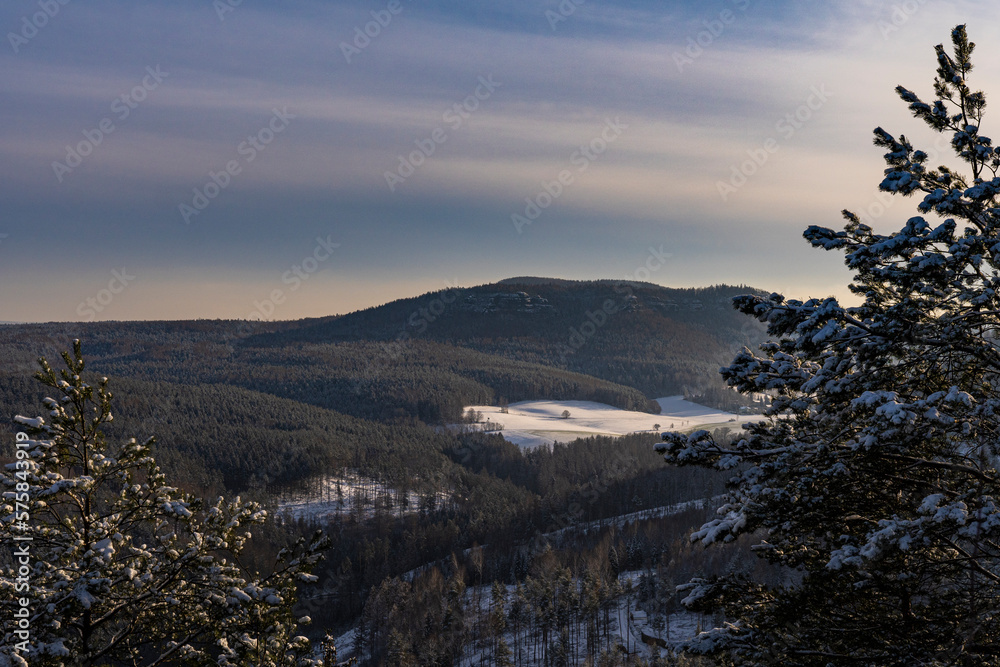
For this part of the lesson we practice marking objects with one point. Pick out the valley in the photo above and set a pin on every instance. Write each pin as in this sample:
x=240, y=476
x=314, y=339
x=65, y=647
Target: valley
x=359, y=425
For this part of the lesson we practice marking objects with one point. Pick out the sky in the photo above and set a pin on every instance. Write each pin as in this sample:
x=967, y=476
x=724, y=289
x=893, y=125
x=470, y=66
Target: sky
x=279, y=160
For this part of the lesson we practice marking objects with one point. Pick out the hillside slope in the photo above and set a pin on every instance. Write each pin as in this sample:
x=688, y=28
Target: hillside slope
x=661, y=341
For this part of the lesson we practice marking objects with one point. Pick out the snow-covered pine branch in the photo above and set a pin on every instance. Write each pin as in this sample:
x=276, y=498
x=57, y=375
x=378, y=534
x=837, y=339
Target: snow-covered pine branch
x=875, y=480
x=124, y=568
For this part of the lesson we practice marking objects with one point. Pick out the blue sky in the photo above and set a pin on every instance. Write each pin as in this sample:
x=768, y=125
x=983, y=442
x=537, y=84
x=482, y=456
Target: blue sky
x=617, y=120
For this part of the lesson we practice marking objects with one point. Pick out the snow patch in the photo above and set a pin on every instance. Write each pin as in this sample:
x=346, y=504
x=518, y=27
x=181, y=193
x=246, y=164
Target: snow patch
x=531, y=424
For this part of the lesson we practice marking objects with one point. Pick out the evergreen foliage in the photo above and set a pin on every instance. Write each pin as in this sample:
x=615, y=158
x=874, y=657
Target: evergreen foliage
x=875, y=482
x=121, y=567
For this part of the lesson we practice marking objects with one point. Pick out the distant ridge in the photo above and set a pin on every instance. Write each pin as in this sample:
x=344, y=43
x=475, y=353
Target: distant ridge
x=564, y=282
x=659, y=340
x=536, y=280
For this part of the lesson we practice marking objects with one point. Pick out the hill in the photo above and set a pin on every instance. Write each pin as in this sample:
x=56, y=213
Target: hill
x=409, y=365
x=658, y=340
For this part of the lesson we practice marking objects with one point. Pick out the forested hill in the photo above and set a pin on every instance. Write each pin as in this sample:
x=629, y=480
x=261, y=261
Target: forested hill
x=659, y=340
x=405, y=365
x=421, y=380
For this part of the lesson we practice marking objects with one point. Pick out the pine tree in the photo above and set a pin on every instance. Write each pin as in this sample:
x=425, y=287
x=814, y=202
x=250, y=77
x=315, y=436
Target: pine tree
x=454, y=611
x=876, y=480
x=503, y=656
x=398, y=653
x=123, y=568
x=498, y=621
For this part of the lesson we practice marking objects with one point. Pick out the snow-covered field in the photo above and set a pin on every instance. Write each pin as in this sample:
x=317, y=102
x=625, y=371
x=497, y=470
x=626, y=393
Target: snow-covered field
x=531, y=424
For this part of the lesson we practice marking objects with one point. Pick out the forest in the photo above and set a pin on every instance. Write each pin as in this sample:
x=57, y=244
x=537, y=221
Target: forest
x=269, y=410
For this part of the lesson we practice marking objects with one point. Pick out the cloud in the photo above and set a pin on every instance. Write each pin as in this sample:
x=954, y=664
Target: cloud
x=688, y=127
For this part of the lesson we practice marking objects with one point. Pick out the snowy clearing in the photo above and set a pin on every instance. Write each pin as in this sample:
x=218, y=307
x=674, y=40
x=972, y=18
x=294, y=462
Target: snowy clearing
x=531, y=424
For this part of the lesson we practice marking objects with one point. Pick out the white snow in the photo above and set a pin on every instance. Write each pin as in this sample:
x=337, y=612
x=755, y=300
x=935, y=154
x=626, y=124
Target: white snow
x=106, y=549
x=30, y=422
x=348, y=493
x=531, y=424
x=85, y=598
